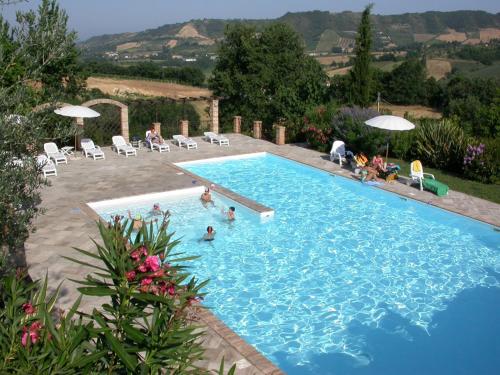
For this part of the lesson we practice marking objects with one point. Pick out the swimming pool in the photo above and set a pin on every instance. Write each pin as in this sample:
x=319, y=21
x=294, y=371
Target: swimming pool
x=346, y=278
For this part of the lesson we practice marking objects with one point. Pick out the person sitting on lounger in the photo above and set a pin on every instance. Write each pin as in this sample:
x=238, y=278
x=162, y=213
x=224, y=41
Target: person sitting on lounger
x=154, y=137
x=368, y=174
x=378, y=163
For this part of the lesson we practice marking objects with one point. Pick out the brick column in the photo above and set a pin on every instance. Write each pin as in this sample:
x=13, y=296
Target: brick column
x=280, y=135
x=214, y=116
x=184, y=128
x=257, y=129
x=157, y=126
x=237, y=124
x=124, y=123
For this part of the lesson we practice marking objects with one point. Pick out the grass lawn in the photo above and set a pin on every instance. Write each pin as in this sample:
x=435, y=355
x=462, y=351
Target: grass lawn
x=489, y=192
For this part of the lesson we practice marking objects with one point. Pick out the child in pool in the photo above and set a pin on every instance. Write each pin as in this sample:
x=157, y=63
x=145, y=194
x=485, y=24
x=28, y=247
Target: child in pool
x=210, y=235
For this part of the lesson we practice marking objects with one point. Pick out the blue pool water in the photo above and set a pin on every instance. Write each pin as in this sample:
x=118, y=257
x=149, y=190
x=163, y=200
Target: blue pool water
x=346, y=278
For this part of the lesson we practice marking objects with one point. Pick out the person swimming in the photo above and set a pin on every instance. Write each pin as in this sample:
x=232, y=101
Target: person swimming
x=156, y=210
x=210, y=235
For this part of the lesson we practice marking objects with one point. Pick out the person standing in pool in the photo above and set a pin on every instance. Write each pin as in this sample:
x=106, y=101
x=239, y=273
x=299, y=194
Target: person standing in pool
x=206, y=197
x=210, y=235
x=230, y=213
x=137, y=221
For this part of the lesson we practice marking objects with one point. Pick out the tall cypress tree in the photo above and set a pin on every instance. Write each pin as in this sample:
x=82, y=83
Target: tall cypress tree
x=360, y=74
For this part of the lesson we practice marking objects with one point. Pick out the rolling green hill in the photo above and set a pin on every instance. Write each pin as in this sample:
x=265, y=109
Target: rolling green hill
x=321, y=32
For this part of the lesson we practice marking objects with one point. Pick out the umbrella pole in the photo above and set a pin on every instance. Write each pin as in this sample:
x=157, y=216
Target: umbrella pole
x=386, y=155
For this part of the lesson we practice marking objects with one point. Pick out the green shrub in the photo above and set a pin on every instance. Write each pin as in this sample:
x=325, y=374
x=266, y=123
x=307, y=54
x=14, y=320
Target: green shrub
x=440, y=144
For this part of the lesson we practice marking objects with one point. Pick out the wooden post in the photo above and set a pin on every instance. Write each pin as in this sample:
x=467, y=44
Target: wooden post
x=257, y=129
x=237, y=124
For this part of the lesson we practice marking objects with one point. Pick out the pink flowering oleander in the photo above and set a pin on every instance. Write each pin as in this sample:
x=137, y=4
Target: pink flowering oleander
x=146, y=281
x=153, y=263
x=130, y=275
x=33, y=332
x=28, y=308
x=142, y=268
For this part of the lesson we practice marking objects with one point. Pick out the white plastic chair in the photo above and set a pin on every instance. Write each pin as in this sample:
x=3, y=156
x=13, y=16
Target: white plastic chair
x=161, y=147
x=188, y=142
x=123, y=147
x=217, y=138
x=417, y=173
x=48, y=167
x=54, y=153
x=90, y=149
x=338, y=152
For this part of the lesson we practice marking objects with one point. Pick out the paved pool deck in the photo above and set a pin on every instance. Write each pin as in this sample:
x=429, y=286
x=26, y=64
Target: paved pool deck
x=67, y=224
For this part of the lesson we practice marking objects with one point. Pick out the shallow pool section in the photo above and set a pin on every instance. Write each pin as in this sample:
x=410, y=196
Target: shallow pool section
x=346, y=278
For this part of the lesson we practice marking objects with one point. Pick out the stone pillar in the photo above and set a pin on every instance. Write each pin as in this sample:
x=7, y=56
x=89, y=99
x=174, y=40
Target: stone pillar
x=237, y=124
x=157, y=126
x=184, y=128
x=124, y=123
x=257, y=129
x=214, y=116
x=280, y=135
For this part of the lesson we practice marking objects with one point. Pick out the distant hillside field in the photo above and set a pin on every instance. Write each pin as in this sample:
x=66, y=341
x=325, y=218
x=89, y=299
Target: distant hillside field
x=322, y=32
x=123, y=87
x=417, y=111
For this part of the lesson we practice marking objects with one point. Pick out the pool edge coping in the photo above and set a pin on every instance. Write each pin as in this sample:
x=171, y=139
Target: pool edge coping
x=262, y=210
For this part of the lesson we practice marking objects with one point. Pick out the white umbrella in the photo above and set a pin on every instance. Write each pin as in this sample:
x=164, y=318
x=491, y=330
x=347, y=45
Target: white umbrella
x=393, y=123
x=77, y=111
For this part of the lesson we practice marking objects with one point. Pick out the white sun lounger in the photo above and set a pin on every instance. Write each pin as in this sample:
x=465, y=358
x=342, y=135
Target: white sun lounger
x=90, y=149
x=123, y=147
x=217, y=138
x=48, y=167
x=161, y=147
x=188, y=142
x=339, y=152
x=53, y=153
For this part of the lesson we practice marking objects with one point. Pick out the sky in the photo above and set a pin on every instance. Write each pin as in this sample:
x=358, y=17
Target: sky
x=97, y=17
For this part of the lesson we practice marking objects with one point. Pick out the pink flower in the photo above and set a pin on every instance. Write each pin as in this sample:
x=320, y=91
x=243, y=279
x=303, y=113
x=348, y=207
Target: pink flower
x=130, y=275
x=33, y=333
x=146, y=281
x=142, y=267
x=171, y=290
x=144, y=288
x=143, y=250
x=159, y=273
x=155, y=290
x=28, y=308
x=135, y=255
x=153, y=263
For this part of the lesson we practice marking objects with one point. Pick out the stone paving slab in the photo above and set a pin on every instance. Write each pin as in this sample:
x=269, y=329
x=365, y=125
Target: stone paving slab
x=69, y=223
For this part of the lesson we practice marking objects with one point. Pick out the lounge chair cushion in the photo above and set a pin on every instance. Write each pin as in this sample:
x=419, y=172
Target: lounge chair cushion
x=435, y=186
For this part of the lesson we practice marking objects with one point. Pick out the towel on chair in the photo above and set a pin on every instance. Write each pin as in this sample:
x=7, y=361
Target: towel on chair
x=417, y=166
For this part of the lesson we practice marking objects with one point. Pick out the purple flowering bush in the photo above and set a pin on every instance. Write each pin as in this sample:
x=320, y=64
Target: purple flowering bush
x=480, y=165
